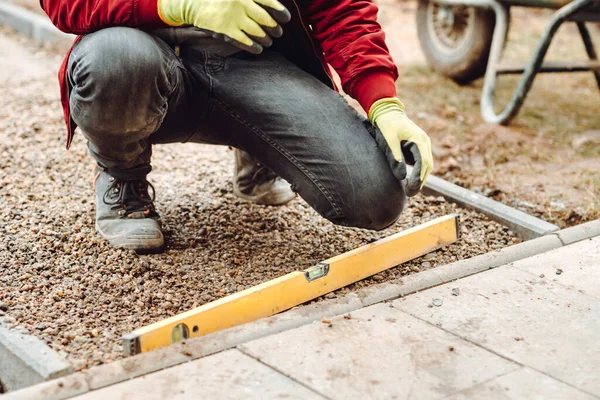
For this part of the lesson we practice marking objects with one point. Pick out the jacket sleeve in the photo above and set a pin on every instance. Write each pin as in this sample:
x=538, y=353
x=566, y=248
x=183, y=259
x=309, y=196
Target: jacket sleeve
x=353, y=43
x=85, y=16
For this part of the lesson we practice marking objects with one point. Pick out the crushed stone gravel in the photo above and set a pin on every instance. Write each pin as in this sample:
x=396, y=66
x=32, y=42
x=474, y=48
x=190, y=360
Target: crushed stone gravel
x=61, y=282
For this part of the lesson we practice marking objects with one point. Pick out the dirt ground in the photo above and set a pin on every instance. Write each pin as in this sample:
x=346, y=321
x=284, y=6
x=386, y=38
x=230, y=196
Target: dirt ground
x=63, y=283
x=547, y=162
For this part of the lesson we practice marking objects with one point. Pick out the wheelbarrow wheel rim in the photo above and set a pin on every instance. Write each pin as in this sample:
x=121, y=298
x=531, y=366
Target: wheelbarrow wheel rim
x=451, y=27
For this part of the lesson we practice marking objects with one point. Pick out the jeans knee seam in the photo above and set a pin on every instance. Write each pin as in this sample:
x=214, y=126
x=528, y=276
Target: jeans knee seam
x=286, y=154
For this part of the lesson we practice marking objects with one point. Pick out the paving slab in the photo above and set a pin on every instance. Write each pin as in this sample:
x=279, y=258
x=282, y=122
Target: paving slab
x=379, y=353
x=524, y=383
x=576, y=266
x=534, y=321
x=227, y=375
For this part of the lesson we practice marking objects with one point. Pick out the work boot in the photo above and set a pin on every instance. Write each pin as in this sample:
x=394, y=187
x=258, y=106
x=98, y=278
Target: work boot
x=255, y=182
x=125, y=212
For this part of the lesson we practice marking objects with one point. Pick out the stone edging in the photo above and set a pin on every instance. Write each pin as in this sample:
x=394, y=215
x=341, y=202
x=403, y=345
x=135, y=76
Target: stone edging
x=524, y=225
x=25, y=360
x=145, y=363
x=33, y=25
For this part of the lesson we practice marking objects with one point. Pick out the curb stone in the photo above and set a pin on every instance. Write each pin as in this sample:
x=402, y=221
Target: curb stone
x=40, y=28
x=579, y=232
x=145, y=363
x=33, y=25
x=62, y=388
x=25, y=360
x=524, y=225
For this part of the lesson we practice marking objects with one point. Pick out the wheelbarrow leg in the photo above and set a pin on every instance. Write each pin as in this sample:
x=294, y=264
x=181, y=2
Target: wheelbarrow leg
x=489, y=83
x=516, y=101
x=589, y=47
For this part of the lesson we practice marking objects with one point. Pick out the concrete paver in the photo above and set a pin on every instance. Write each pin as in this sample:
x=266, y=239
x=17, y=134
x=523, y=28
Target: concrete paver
x=534, y=321
x=524, y=383
x=227, y=375
x=380, y=353
x=579, y=262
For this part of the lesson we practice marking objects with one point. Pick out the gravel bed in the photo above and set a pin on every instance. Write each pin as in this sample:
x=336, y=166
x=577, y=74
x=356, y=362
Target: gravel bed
x=63, y=283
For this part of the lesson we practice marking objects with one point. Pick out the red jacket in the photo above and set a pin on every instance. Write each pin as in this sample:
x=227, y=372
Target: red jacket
x=342, y=33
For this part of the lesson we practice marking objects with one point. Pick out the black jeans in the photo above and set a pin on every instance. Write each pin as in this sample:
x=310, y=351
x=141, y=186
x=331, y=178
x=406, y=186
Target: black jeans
x=129, y=91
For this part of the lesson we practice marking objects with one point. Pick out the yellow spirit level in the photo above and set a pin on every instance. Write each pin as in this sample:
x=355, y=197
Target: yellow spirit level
x=296, y=287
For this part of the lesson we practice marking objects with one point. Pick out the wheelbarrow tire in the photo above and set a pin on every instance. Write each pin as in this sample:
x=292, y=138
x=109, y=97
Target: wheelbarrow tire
x=462, y=62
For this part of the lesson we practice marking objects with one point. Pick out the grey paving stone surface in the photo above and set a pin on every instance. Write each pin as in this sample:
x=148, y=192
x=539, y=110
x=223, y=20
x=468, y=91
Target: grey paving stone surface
x=531, y=320
x=227, y=375
x=379, y=353
x=577, y=265
x=524, y=383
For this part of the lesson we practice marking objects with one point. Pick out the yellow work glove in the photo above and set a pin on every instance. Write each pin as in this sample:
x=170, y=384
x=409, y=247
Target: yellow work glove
x=401, y=135
x=248, y=24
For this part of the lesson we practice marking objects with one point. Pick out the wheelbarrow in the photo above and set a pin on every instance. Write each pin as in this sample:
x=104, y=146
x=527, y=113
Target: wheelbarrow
x=464, y=39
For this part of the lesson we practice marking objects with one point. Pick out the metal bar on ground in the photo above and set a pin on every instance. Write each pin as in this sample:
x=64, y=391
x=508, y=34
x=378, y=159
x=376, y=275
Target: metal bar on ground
x=295, y=288
x=525, y=226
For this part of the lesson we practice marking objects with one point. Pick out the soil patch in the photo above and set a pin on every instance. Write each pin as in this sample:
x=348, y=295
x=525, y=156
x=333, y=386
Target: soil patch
x=547, y=162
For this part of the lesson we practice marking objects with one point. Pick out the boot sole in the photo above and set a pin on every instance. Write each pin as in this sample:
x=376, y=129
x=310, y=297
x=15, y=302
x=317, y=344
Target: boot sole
x=141, y=243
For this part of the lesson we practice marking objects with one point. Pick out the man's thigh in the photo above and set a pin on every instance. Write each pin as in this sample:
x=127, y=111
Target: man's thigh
x=129, y=88
x=307, y=134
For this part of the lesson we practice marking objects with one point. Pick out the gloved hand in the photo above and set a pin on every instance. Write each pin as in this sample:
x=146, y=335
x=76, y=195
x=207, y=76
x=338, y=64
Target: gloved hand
x=248, y=24
x=400, y=135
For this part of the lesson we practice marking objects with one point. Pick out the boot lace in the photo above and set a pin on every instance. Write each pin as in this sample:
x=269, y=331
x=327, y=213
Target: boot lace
x=132, y=198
